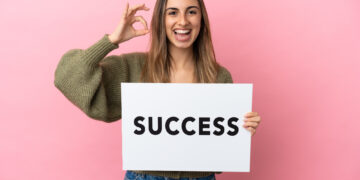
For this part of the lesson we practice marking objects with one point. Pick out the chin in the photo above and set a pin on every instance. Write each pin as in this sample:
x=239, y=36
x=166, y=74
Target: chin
x=182, y=45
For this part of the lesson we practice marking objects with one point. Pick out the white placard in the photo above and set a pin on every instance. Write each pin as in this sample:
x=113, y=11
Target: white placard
x=192, y=148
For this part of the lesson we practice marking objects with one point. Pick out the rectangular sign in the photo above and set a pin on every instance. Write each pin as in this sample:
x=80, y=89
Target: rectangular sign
x=185, y=127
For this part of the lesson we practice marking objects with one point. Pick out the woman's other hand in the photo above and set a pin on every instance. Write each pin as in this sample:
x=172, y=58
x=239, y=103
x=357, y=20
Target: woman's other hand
x=125, y=30
x=251, y=122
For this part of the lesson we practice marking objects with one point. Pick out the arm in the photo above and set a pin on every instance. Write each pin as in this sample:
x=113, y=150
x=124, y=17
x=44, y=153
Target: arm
x=89, y=82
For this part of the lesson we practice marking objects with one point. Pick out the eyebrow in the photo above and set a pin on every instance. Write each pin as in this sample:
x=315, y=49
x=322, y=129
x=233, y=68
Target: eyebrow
x=173, y=8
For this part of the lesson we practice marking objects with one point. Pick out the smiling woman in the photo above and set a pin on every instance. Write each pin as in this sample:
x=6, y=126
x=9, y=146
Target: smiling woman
x=181, y=51
x=181, y=47
x=182, y=25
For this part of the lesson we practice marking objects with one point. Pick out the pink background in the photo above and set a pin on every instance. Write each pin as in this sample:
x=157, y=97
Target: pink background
x=302, y=56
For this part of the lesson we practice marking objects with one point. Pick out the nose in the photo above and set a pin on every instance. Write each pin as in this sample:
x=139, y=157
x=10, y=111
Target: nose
x=183, y=21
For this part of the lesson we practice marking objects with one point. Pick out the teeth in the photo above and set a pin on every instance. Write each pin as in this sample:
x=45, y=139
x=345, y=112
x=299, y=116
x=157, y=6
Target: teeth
x=182, y=31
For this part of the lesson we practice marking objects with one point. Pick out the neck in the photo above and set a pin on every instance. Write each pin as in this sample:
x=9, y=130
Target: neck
x=182, y=58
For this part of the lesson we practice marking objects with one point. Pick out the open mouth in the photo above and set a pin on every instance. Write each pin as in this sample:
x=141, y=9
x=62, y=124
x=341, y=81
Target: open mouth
x=182, y=31
x=182, y=35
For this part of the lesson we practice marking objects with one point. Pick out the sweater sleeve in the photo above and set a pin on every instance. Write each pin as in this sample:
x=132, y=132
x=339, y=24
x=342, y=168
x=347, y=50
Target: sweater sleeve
x=228, y=78
x=89, y=81
x=224, y=76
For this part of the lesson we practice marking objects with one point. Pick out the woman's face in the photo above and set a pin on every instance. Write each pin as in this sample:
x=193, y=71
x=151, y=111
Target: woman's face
x=182, y=22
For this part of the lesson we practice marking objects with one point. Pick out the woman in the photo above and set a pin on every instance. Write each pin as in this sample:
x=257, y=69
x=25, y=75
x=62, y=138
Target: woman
x=181, y=52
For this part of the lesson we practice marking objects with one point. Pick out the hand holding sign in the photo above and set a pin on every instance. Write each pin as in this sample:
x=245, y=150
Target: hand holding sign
x=252, y=121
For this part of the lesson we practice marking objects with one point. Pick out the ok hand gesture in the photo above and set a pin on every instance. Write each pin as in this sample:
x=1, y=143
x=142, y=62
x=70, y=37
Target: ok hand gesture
x=125, y=30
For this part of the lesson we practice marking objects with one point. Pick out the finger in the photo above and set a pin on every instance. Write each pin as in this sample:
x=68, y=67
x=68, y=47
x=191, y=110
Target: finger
x=144, y=23
x=141, y=20
x=250, y=124
x=141, y=32
x=251, y=114
x=126, y=10
x=134, y=9
x=252, y=130
x=253, y=119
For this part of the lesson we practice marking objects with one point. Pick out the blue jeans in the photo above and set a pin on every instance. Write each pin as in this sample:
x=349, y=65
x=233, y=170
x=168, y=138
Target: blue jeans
x=130, y=175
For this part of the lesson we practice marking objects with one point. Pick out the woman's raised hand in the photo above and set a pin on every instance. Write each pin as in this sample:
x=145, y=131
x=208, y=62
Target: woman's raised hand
x=125, y=30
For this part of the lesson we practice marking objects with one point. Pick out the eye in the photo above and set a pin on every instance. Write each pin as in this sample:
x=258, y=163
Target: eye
x=192, y=12
x=172, y=13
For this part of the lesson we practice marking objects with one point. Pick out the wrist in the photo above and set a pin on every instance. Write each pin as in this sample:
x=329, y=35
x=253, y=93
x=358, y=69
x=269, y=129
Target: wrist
x=113, y=40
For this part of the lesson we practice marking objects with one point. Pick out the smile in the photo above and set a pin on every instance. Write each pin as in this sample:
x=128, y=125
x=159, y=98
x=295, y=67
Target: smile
x=182, y=31
x=182, y=35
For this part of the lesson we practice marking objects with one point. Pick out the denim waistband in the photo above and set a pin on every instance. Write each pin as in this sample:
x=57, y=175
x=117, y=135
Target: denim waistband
x=130, y=175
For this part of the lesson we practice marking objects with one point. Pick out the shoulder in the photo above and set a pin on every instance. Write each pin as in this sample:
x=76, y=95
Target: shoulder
x=224, y=75
x=135, y=60
x=138, y=57
x=131, y=60
x=125, y=67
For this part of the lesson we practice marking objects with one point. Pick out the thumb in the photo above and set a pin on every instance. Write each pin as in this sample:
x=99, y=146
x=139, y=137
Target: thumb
x=141, y=32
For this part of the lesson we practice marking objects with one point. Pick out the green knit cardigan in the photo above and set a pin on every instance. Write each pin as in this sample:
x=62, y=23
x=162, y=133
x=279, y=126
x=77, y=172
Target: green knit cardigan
x=91, y=81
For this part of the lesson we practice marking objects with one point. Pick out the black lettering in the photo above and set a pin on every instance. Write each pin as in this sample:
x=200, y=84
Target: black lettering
x=151, y=129
x=167, y=125
x=183, y=126
x=202, y=126
x=236, y=129
x=219, y=126
x=137, y=123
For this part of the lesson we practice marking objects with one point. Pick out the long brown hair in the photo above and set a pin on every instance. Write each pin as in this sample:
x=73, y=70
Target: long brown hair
x=157, y=66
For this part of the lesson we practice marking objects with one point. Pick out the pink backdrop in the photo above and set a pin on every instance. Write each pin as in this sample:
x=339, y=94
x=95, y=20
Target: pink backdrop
x=302, y=56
